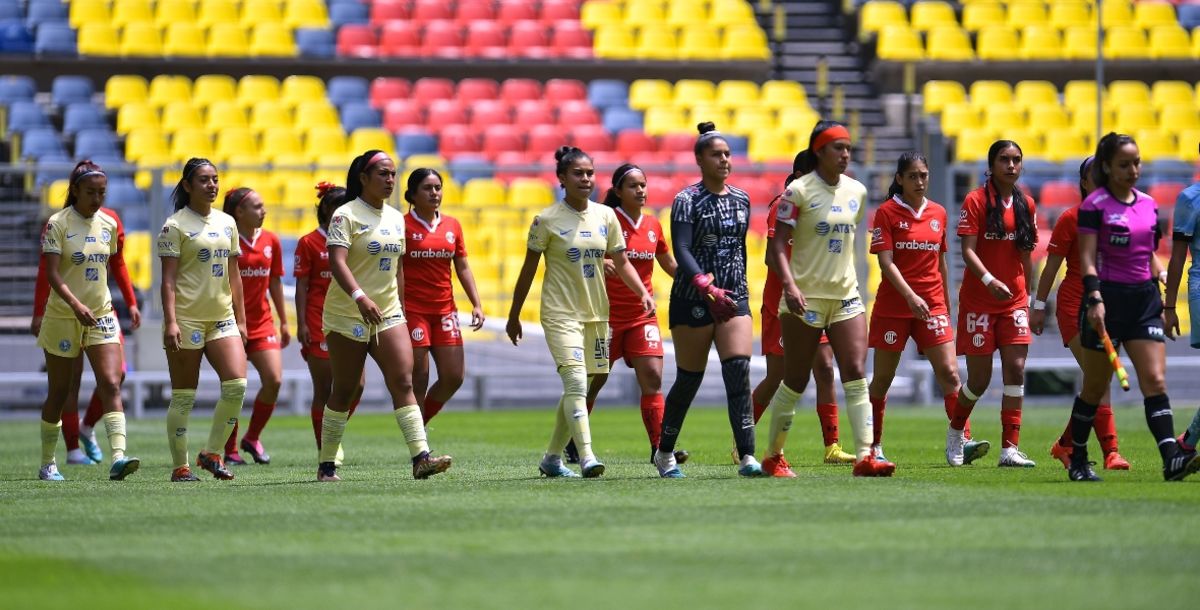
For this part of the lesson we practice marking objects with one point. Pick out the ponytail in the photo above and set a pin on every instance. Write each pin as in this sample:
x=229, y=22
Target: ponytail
x=180, y=196
x=82, y=170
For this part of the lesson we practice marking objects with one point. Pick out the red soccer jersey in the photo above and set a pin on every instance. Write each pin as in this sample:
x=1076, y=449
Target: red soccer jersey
x=261, y=259
x=430, y=250
x=643, y=242
x=773, y=287
x=998, y=253
x=312, y=262
x=120, y=273
x=917, y=239
x=1065, y=243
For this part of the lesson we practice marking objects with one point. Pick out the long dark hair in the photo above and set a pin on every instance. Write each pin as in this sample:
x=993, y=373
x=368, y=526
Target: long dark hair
x=1025, y=229
x=611, y=198
x=1084, y=168
x=180, y=196
x=564, y=157
x=1106, y=149
x=416, y=178
x=234, y=198
x=83, y=168
x=806, y=161
x=329, y=197
x=353, y=176
x=903, y=164
x=708, y=136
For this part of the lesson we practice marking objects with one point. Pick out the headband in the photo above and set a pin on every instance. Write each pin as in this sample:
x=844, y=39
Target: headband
x=379, y=156
x=187, y=174
x=244, y=195
x=837, y=132
x=709, y=135
x=619, y=178
x=1086, y=165
x=90, y=172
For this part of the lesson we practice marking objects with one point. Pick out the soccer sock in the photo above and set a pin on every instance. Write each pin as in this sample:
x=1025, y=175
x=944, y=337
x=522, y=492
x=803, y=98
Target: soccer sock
x=877, y=407
x=961, y=411
x=679, y=399
x=225, y=413
x=827, y=414
x=1010, y=422
x=333, y=427
x=432, y=407
x=409, y=418
x=562, y=432
x=858, y=406
x=1106, y=428
x=231, y=442
x=70, y=430
x=574, y=409
x=95, y=410
x=783, y=411
x=1162, y=425
x=317, y=414
x=759, y=409
x=114, y=428
x=178, y=412
x=1082, y=415
x=50, y=433
x=949, y=401
x=1192, y=435
x=736, y=373
x=258, y=420
x=652, y=416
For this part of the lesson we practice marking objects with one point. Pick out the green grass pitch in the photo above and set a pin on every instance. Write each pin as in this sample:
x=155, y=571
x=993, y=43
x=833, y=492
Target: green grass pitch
x=491, y=534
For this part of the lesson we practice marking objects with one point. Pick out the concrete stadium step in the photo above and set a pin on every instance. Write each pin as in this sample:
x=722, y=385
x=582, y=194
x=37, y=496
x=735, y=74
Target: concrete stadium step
x=835, y=62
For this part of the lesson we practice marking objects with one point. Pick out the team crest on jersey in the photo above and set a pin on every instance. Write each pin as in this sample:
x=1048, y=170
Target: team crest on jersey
x=267, y=251
x=450, y=237
x=197, y=337
x=358, y=331
x=935, y=225
x=698, y=312
x=650, y=235
x=577, y=354
x=785, y=209
x=853, y=205
x=228, y=232
x=105, y=236
x=977, y=340
x=64, y=345
x=603, y=231
x=810, y=317
x=890, y=337
x=589, y=271
x=218, y=270
x=877, y=234
x=835, y=246
x=91, y=274
x=385, y=264
x=418, y=334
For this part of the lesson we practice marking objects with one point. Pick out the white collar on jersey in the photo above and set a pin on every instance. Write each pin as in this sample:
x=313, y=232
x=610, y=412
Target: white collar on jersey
x=197, y=214
x=637, y=224
x=322, y=232
x=253, y=239
x=437, y=220
x=917, y=212
x=564, y=204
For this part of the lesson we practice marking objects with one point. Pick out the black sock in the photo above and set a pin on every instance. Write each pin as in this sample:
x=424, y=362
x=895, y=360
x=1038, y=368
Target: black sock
x=1082, y=415
x=1162, y=424
x=736, y=372
x=679, y=398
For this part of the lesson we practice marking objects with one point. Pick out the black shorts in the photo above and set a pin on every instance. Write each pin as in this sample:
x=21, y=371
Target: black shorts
x=1131, y=312
x=683, y=312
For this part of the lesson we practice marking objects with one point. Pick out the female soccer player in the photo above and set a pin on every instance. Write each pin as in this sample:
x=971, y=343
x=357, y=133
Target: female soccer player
x=574, y=235
x=312, y=282
x=77, y=246
x=435, y=242
x=1187, y=220
x=202, y=315
x=820, y=292
x=261, y=266
x=998, y=227
x=1118, y=234
x=909, y=237
x=363, y=313
x=1064, y=246
x=709, y=301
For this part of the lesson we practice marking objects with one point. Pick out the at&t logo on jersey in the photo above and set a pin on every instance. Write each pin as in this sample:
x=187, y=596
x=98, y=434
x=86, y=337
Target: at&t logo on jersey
x=374, y=248
x=78, y=258
x=573, y=255
x=822, y=228
x=204, y=254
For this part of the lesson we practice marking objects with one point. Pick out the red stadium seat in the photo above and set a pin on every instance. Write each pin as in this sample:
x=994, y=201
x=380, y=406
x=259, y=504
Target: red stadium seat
x=592, y=138
x=502, y=138
x=425, y=90
x=399, y=114
x=457, y=139
x=605, y=161
x=1165, y=194
x=383, y=11
x=577, y=112
x=635, y=144
x=512, y=11
x=544, y=140
x=485, y=113
x=660, y=193
x=511, y=164
x=514, y=90
x=677, y=142
x=399, y=39
x=471, y=89
x=356, y=40
x=446, y=112
x=562, y=89
x=1059, y=194
x=385, y=89
x=442, y=38
x=569, y=39
x=559, y=10
x=529, y=39
x=424, y=11
x=469, y=11
x=486, y=39
x=533, y=112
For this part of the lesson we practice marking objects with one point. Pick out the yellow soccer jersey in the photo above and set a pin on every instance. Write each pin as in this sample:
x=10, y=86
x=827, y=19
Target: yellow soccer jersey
x=574, y=244
x=374, y=240
x=203, y=245
x=823, y=219
x=83, y=246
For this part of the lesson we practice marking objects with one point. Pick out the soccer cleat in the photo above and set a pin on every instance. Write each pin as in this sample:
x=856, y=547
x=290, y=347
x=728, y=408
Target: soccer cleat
x=973, y=450
x=877, y=451
x=1062, y=454
x=571, y=453
x=123, y=468
x=1082, y=472
x=681, y=456
x=76, y=457
x=592, y=469
x=750, y=467
x=835, y=455
x=1179, y=467
x=425, y=465
x=554, y=469
x=183, y=474
x=256, y=451
x=50, y=472
x=871, y=467
x=339, y=456
x=1115, y=461
x=327, y=473
x=234, y=459
x=777, y=466
x=212, y=463
x=667, y=467
x=89, y=445
x=1010, y=457
x=954, y=447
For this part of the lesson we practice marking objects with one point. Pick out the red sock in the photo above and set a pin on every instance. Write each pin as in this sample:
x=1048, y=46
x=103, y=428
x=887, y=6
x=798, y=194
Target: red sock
x=318, y=416
x=828, y=414
x=94, y=411
x=70, y=430
x=652, y=415
x=877, y=407
x=231, y=442
x=759, y=409
x=1010, y=424
x=591, y=405
x=1106, y=428
x=258, y=420
x=949, y=401
x=959, y=414
x=432, y=407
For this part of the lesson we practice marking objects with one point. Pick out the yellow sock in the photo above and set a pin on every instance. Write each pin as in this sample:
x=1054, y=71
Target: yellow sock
x=333, y=427
x=858, y=405
x=413, y=427
x=114, y=427
x=574, y=409
x=49, y=439
x=783, y=411
x=178, y=412
x=225, y=414
x=562, y=432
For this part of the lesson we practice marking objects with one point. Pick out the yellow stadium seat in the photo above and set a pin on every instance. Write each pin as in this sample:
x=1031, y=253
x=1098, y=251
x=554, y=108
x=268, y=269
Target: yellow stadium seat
x=975, y=17
x=1125, y=42
x=770, y=145
x=958, y=117
x=985, y=93
x=736, y=93
x=297, y=89
x=614, y=42
x=145, y=142
x=258, y=12
x=1032, y=92
x=935, y=94
x=719, y=116
x=255, y=88
x=1079, y=42
x=693, y=91
x=1083, y=119
x=1124, y=92
x=1179, y=116
x=332, y=167
x=289, y=167
x=224, y=114
x=184, y=39
x=1067, y=144
x=168, y=88
x=324, y=140
x=699, y=42
x=1025, y=13
x=1169, y=42
x=1188, y=149
x=1148, y=14
x=279, y=141
x=643, y=12
x=949, y=43
x=88, y=12
x=751, y=119
x=1030, y=139
x=270, y=113
x=656, y=42
x=1048, y=116
x=899, y=43
x=1040, y=42
x=228, y=40
x=666, y=119
x=167, y=13
x=98, y=38
x=137, y=115
x=685, y=12
x=191, y=142
x=1196, y=43
x=125, y=12
x=411, y=163
x=782, y=93
x=1001, y=118
x=484, y=192
x=209, y=89
x=1067, y=13
x=529, y=192
x=272, y=40
x=305, y=14
x=745, y=41
x=1154, y=144
x=971, y=145
x=317, y=113
x=137, y=244
x=55, y=194
x=1078, y=93
x=452, y=197
x=876, y=15
x=124, y=88
x=645, y=93
x=1117, y=11
x=597, y=14
x=1165, y=92
x=996, y=43
x=731, y=12
x=929, y=14
x=181, y=115
x=798, y=120
x=212, y=12
x=234, y=142
x=367, y=138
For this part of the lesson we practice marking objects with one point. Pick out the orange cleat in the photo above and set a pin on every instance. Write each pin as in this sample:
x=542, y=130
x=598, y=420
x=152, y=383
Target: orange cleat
x=1062, y=454
x=871, y=467
x=212, y=463
x=1114, y=461
x=183, y=474
x=777, y=466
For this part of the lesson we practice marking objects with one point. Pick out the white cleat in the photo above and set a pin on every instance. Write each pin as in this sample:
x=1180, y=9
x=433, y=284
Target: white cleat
x=1010, y=457
x=49, y=472
x=954, y=446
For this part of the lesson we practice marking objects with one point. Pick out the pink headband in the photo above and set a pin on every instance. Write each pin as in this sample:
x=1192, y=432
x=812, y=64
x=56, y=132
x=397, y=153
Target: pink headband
x=837, y=132
x=379, y=156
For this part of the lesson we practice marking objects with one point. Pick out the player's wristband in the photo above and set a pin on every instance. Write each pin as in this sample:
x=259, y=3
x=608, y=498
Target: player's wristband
x=1039, y=305
x=358, y=295
x=987, y=279
x=1171, y=307
x=1091, y=283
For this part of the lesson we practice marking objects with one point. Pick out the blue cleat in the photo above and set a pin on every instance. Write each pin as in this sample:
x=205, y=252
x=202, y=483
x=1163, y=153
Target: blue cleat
x=674, y=473
x=556, y=470
x=753, y=469
x=123, y=468
x=592, y=469
x=50, y=472
x=91, y=448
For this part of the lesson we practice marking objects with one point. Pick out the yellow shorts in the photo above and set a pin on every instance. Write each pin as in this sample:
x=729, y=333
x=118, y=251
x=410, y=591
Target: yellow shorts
x=572, y=342
x=823, y=313
x=65, y=337
x=195, y=334
x=356, y=328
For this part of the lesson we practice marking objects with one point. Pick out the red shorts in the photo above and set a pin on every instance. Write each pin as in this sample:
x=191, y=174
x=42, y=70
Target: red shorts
x=317, y=348
x=635, y=341
x=433, y=329
x=891, y=334
x=1068, y=322
x=263, y=344
x=979, y=334
x=772, y=334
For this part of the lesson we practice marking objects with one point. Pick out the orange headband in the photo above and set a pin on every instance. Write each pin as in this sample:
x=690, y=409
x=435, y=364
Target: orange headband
x=837, y=132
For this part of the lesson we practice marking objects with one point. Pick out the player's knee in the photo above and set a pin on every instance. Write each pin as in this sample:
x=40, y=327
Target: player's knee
x=822, y=373
x=574, y=379
x=650, y=381
x=1152, y=384
x=948, y=380
x=108, y=386
x=1014, y=371
x=400, y=384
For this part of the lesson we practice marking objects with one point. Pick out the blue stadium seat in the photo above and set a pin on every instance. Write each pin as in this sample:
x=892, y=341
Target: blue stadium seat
x=11, y=9
x=83, y=115
x=99, y=145
x=26, y=115
x=469, y=167
x=15, y=37
x=1189, y=15
x=46, y=11
x=343, y=89
x=620, y=118
x=124, y=194
x=43, y=143
x=55, y=39
x=70, y=88
x=16, y=88
x=416, y=143
x=607, y=93
x=739, y=146
x=342, y=13
x=315, y=43
x=137, y=218
x=1035, y=173
x=359, y=114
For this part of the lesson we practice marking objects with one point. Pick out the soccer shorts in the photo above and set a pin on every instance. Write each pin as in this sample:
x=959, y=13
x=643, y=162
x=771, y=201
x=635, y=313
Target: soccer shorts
x=65, y=337
x=263, y=344
x=195, y=334
x=684, y=312
x=891, y=334
x=823, y=313
x=772, y=334
x=980, y=333
x=1067, y=315
x=635, y=341
x=573, y=342
x=1194, y=310
x=1131, y=312
x=316, y=348
x=356, y=328
x=434, y=329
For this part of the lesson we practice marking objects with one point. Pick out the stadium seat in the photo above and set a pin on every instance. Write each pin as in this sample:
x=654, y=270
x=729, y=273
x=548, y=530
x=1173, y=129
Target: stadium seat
x=699, y=42
x=52, y=39
x=615, y=42
x=483, y=192
x=978, y=15
x=272, y=40
x=664, y=119
x=996, y=42
x=255, y=88
x=744, y=42
x=191, y=142
x=258, y=12
x=270, y=113
x=384, y=11
x=212, y=12
x=371, y=138
x=736, y=93
x=1165, y=92
x=1125, y=42
x=1129, y=92
x=1179, y=116
x=71, y=89
x=443, y=39
x=487, y=112
x=1059, y=194
x=530, y=193
x=485, y=39
x=99, y=145
x=655, y=43
x=618, y=119
x=355, y=115
x=926, y=15
x=344, y=89
x=957, y=117
x=990, y=92
x=427, y=89
x=577, y=112
x=305, y=14
x=278, y=142
x=1155, y=144
x=693, y=91
x=468, y=11
x=40, y=143
x=935, y=94
x=445, y=112
x=39, y=12
x=168, y=88
x=386, y=89
x=564, y=89
x=145, y=143
x=1001, y=118
x=751, y=119
x=543, y=140
x=80, y=13
x=608, y=93
x=126, y=12
x=1029, y=93
x=415, y=143
x=472, y=89
x=595, y=15
x=1024, y=13
x=971, y=145
x=798, y=120
x=645, y=93
x=184, y=39
x=876, y=15
x=1169, y=41
x=592, y=138
x=1196, y=42
x=1040, y=42
x=319, y=112
x=25, y=115
x=98, y=39
x=1048, y=116
x=551, y=11
x=297, y=89
x=1117, y=11
x=1068, y=13
x=770, y=145
x=1079, y=93
x=1187, y=150
x=83, y=115
x=22, y=88
x=1083, y=119
x=1148, y=14
x=949, y=43
x=233, y=141
x=181, y=115
x=357, y=41
x=325, y=140
x=209, y=89
x=227, y=39
x=315, y=43
x=899, y=43
x=633, y=144
x=510, y=12
x=349, y=13
x=700, y=113
x=425, y=11
x=225, y=113
x=403, y=114
x=137, y=115
x=118, y=90
x=568, y=39
x=643, y=12
x=496, y=139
